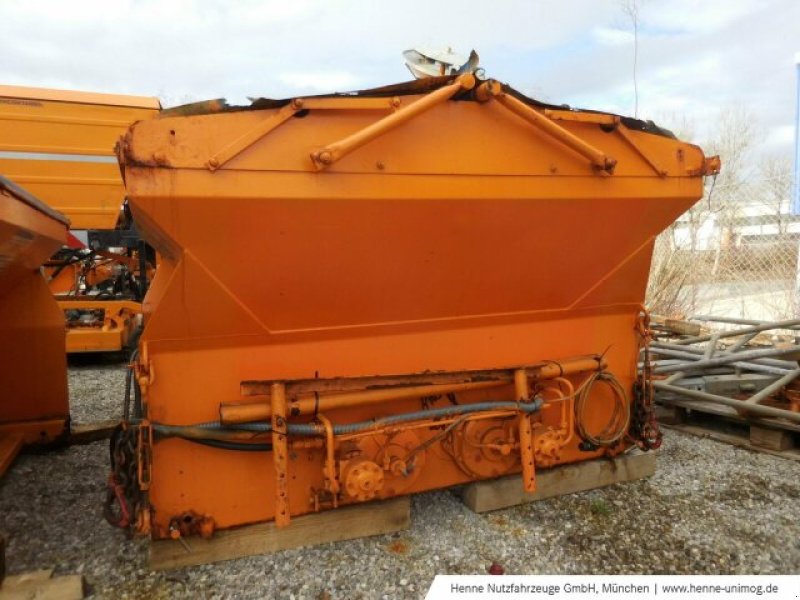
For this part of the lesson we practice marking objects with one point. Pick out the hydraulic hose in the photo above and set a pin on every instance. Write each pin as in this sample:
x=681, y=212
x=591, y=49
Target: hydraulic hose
x=233, y=445
x=308, y=429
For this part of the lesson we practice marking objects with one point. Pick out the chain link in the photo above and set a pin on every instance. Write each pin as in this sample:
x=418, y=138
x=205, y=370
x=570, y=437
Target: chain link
x=124, y=499
x=644, y=426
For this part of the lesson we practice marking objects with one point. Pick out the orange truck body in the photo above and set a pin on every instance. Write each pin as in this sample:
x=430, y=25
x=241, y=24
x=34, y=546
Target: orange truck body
x=34, y=404
x=421, y=249
x=59, y=145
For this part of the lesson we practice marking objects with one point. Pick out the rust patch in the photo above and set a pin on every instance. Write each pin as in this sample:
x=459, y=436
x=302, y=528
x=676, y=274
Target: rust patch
x=398, y=547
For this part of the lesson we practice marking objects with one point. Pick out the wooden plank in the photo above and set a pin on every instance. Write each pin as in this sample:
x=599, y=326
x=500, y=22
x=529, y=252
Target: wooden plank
x=10, y=445
x=41, y=586
x=92, y=432
x=483, y=496
x=347, y=523
x=671, y=416
x=733, y=439
x=32, y=576
x=774, y=439
x=676, y=326
x=726, y=412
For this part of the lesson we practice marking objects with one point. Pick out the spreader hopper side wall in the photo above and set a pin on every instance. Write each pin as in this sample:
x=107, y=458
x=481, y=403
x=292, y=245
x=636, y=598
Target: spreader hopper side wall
x=33, y=371
x=322, y=263
x=33, y=367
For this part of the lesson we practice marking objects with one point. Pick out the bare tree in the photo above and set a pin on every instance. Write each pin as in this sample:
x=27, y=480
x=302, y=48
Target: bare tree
x=631, y=10
x=734, y=140
x=775, y=175
x=687, y=261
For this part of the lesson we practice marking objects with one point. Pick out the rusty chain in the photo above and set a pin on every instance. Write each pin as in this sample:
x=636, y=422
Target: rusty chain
x=644, y=426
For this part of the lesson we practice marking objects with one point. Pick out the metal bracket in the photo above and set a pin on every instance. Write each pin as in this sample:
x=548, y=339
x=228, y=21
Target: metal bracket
x=601, y=162
x=249, y=138
x=623, y=132
x=144, y=450
x=280, y=454
x=522, y=394
x=607, y=120
x=332, y=152
x=243, y=142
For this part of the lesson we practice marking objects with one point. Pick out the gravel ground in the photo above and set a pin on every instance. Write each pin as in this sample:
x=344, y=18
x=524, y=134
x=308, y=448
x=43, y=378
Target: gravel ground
x=711, y=508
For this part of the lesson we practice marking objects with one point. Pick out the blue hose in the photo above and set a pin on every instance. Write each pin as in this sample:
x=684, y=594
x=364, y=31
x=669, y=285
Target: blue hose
x=307, y=429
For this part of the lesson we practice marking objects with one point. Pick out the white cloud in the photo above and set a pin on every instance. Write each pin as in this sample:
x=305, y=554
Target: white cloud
x=780, y=136
x=691, y=16
x=612, y=36
x=693, y=56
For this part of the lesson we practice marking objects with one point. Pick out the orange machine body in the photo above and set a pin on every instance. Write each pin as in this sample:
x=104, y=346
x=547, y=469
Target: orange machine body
x=414, y=250
x=59, y=145
x=34, y=405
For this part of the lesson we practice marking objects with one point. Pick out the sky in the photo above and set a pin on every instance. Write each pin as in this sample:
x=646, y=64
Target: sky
x=694, y=57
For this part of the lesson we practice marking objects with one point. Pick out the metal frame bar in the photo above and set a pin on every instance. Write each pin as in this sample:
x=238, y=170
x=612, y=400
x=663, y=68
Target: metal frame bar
x=310, y=396
x=522, y=394
x=741, y=405
x=729, y=359
x=335, y=151
x=598, y=159
x=789, y=324
x=280, y=454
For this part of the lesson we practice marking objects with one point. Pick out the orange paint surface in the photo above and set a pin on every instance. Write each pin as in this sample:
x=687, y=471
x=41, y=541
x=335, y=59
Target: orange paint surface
x=33, y=370
x=461, y=238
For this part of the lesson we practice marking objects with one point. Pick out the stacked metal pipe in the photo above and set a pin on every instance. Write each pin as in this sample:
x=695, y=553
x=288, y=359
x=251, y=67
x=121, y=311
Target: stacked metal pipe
x=690, y=366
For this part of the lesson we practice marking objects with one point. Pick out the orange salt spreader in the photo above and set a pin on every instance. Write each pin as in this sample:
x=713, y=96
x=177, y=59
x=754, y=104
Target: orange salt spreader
x=34, y=405
x=59, y=145
x=385, y=292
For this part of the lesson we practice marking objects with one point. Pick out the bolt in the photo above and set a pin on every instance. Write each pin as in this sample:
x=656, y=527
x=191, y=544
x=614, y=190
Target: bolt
x=325, y=157
x=487, y=89
x=380, y=165
x=298, y=103
x=467, y=81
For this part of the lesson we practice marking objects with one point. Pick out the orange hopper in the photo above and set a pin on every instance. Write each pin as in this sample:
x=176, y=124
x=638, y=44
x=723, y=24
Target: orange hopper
x=34, y=406
x=381, y=293
x=59, y=145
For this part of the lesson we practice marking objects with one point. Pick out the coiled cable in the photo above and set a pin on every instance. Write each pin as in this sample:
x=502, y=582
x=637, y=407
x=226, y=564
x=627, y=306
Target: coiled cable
x=618, y=423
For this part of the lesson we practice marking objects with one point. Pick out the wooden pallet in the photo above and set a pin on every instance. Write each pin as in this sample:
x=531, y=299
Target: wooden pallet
x=724, y=424
x=41, y=585
x=350, y=522
x=680, y=408
x=494, y=494
x=91, y=432
x=10, y=445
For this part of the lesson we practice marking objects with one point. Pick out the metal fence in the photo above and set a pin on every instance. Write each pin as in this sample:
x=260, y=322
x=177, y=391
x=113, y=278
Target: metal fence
x=733, y=255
